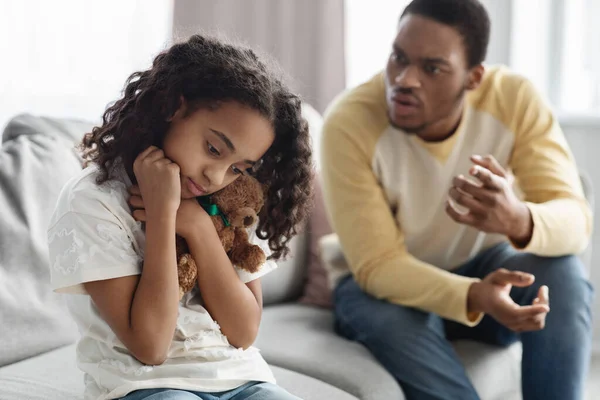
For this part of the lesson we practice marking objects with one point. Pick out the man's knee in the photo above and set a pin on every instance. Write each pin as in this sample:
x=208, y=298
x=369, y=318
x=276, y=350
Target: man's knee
x=566, y=279
x=360, y=316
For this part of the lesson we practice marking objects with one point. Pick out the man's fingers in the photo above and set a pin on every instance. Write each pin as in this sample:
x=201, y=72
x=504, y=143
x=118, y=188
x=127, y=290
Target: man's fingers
x=465, y=200
x=523, y=313
x=534, y=323
x=517, y=278
x=467, y=219
x=485, y=195
x=488, y=179
x=490, y=163
x=543, y=296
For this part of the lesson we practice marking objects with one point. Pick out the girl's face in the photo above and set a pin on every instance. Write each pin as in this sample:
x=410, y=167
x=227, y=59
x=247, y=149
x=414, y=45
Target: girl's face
x=214, y=146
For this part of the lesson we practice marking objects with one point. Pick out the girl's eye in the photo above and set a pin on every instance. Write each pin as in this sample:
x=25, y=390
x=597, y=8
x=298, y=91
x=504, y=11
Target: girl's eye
x=213, y=150
x=236, y=170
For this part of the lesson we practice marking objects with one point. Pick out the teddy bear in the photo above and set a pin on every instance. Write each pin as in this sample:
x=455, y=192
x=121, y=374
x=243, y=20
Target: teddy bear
x=232, y=210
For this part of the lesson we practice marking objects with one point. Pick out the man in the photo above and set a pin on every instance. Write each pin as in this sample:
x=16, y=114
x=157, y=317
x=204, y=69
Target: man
x=440, y=242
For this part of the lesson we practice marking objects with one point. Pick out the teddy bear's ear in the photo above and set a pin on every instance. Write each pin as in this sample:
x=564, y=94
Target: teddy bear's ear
x=265, y=189
x=244, y=218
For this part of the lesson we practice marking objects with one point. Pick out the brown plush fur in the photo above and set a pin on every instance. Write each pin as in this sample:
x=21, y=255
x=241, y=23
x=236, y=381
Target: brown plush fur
x=240, y=202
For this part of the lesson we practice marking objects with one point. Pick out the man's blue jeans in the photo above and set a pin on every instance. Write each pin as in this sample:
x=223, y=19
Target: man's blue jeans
x=414, y=345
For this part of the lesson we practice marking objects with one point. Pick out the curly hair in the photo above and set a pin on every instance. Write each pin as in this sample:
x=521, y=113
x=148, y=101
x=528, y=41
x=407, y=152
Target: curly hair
x=468, y=17
x=206, y=71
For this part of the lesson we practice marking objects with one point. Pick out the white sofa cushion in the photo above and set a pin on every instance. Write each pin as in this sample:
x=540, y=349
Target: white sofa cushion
x=301, y=338
x=54, y=376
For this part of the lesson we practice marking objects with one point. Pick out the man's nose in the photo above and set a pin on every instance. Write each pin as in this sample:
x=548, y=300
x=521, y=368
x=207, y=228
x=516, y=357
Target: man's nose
x=408, y=78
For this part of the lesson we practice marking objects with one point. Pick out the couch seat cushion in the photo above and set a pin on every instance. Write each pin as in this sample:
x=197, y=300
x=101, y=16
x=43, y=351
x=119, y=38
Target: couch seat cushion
x=55, y=376
x=301, y=338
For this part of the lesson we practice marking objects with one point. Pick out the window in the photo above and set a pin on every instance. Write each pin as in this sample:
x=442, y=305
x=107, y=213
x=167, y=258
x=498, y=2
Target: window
x=370, y=31
x=69, y=58
x=559, y=49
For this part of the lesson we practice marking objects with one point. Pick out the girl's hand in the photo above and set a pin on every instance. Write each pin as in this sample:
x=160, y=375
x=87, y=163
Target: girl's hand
x=191, y=217
x=159, y=183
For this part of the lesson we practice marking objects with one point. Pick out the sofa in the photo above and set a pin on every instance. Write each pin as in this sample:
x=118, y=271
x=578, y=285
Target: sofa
x=37, y=353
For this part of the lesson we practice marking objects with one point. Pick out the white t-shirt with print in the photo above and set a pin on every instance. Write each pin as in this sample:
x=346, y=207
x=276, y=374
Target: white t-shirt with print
x=92, y=236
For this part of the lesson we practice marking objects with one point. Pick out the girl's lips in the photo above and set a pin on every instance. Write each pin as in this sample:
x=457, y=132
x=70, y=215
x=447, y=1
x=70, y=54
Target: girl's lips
x=194, y=188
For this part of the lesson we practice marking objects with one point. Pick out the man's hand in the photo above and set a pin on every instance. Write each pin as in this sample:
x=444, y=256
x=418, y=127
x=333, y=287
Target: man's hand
x=492, y=296
x=492, y=205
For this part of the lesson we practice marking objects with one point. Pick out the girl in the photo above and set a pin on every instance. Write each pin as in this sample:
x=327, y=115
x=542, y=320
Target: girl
x=202, y=115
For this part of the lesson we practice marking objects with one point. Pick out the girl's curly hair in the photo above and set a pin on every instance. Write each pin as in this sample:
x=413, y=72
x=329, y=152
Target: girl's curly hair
x=206, y=71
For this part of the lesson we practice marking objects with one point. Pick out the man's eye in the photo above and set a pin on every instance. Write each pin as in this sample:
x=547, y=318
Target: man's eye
x=213, y=150
x=398, y=59
x=432, y=69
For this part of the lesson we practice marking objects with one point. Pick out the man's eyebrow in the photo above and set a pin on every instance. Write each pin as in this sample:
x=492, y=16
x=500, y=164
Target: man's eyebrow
x=436, y=60
x=433, y=60
x=397, y=49
x=229, y=144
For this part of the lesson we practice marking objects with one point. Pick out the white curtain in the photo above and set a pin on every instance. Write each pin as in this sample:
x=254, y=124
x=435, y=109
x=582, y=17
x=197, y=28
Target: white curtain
x=306, y=37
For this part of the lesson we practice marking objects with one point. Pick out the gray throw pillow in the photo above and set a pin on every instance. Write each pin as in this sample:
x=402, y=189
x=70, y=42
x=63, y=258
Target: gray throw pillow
x=37, y=157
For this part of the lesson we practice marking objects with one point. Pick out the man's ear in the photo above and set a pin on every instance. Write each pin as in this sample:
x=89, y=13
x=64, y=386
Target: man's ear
x=181, y=110
x=475, y=76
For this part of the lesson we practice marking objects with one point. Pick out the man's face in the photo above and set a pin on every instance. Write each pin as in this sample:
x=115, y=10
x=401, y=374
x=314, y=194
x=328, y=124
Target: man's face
x=426, y=77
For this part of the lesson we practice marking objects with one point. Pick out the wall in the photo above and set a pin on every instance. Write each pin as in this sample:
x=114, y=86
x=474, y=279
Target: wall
x=584, y=139
x=582, y=133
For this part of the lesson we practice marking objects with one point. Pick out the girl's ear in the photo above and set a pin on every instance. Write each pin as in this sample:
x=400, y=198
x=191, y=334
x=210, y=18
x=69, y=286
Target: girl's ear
x=181, y=111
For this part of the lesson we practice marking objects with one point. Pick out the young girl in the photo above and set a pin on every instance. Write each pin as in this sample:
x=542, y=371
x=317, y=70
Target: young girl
x=202, y=115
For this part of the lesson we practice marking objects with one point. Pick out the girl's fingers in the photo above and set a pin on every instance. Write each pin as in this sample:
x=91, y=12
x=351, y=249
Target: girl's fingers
x=139, y=215
x=136, y=202
x=146, y=152
x=154, y=155
x=135, y=190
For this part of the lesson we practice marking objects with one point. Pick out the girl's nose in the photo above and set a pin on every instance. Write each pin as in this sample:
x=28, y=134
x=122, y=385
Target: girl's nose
x=215, y=175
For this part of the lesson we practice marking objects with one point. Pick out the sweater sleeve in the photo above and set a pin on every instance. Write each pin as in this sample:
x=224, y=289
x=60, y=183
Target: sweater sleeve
x=547, y=174
x=371, y=240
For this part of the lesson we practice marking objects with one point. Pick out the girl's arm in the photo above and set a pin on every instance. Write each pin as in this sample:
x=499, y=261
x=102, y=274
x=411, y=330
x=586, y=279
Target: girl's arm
x=142, y=310
x=237, y=307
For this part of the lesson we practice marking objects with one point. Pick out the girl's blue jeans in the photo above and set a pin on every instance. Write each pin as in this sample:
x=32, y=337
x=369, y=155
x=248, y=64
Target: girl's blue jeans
x=249, y=391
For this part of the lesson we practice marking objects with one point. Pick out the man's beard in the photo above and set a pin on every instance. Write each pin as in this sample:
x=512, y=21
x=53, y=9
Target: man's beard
x=410, y=130
x=415, y=130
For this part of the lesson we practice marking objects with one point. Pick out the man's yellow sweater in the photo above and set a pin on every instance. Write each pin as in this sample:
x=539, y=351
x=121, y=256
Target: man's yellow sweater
x=385, y=190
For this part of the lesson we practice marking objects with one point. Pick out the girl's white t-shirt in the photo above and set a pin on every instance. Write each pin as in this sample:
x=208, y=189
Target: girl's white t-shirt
x=92, y=236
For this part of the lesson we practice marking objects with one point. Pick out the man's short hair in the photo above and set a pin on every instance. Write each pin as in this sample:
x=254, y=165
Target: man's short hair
x=469, y=17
